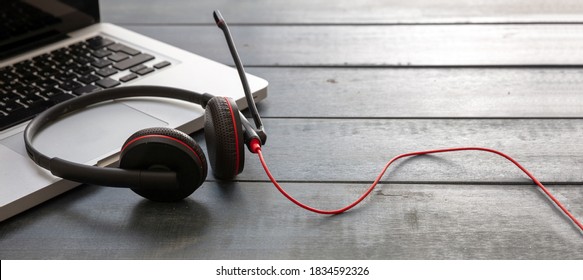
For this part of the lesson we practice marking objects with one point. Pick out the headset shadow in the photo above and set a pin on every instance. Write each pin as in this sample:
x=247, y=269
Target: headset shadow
x=90, y=214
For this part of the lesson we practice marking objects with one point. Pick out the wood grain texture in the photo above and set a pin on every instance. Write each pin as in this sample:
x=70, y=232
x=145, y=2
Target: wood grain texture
x=424, y=45
x=341, y=11
x=253, y=221
x=355, y=150
x=422, y=93
x=380, y=78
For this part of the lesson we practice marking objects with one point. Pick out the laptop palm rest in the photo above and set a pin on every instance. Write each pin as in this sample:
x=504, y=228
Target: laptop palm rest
x=88, y=135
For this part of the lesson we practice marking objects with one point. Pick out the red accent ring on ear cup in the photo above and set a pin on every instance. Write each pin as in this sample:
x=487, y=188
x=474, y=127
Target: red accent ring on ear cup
x=161, y=136
x=224, y=137
x=174, y=135
x=236, y=144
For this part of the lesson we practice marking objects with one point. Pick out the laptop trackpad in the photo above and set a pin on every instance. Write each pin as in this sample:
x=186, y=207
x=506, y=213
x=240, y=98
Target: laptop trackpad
x=88, y=135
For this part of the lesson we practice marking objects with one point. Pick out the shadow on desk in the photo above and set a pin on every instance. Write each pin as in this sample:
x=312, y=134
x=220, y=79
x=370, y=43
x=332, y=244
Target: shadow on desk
x=92, y=222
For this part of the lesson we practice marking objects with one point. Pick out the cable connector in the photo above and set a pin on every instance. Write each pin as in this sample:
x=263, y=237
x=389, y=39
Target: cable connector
x=254, y=145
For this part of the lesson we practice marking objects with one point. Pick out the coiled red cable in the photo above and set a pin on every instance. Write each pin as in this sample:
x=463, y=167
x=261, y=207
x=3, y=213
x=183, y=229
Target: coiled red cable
x=256, y=148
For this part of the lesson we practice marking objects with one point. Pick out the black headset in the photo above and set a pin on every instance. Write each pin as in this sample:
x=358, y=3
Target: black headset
x=161, y=163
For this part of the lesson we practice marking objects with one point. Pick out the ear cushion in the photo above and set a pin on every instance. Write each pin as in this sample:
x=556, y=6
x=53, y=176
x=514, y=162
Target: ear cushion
x=224, y=137
x=167, y=149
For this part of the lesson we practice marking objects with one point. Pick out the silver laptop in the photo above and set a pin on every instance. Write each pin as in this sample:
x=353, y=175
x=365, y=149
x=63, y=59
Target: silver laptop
x=54, y=50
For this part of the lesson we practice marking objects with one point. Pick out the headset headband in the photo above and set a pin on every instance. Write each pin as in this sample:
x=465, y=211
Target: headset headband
x=98, y=175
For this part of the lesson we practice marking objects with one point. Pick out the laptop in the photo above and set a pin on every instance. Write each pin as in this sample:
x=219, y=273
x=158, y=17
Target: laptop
x=55, y=50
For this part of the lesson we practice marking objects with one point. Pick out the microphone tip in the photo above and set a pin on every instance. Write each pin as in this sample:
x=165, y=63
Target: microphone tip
x=218, y=18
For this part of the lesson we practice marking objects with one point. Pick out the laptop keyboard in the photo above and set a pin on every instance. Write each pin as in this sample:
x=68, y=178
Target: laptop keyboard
x=29, y=87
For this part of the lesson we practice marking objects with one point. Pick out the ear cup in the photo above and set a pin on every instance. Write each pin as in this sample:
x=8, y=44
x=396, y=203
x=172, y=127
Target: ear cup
x=165, y=149
x=224, y=137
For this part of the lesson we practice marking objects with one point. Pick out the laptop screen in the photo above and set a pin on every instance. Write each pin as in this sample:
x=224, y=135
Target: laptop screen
x=28, y=24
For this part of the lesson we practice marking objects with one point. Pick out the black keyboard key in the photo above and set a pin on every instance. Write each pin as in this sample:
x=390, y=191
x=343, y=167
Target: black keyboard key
x=117, y=57
x=101, y=63
x=137, y=68
x=79, y=50
x=41, y=58
x=86, y=89
x=130, y=51
x=128, y=77
x=60, y=58
x=44, y=66
x=98, y=42
x=66, y=66
x=145, y=71
x=83, y=60
x=78, y=46
x=83, y=70
x=51, y=93
x=70, y=85
x=107, y=83
x=47, y=83
x=116, y=47
x=60, y=51
x=138, y=59
x=101, y=53
x=66, y=76
x=47, y=73
x=88, y=79
x=161, y=65
x=106, y=72
x=56, y=96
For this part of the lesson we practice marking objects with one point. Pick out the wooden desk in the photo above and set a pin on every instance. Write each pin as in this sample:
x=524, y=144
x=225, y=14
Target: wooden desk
x=352, y=85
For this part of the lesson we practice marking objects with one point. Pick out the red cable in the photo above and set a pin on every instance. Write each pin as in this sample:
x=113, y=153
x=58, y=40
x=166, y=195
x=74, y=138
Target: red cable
x=257, y=149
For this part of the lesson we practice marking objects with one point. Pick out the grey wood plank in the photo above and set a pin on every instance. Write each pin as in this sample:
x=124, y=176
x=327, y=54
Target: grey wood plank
x=341, y=11
x=355, y=150
x=422, y=93
x=378, y=46
x=253, y=221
